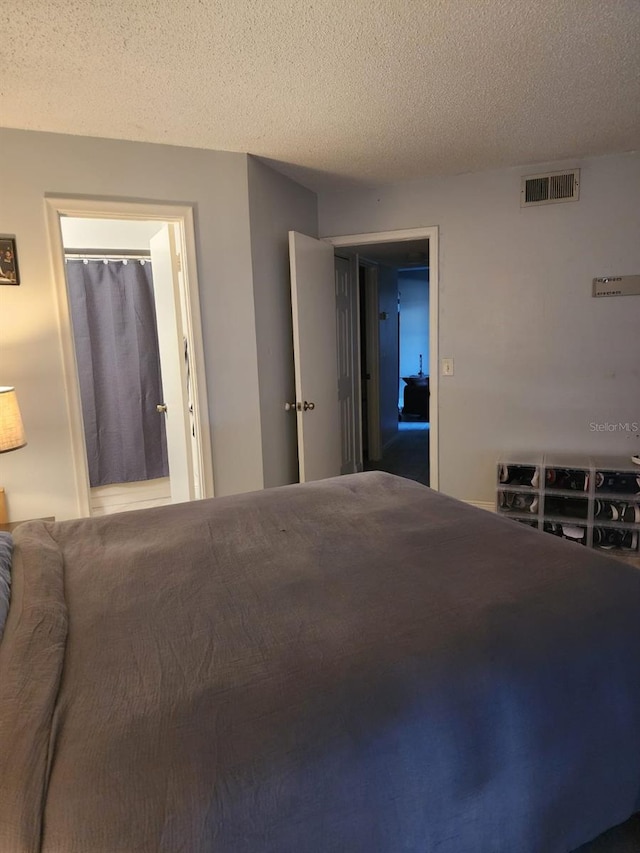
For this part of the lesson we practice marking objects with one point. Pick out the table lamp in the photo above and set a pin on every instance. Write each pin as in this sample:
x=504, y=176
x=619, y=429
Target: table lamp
x=12, y=434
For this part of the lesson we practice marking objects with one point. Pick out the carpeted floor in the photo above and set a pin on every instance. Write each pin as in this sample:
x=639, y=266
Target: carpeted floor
x=622, y=839
x=408, y=454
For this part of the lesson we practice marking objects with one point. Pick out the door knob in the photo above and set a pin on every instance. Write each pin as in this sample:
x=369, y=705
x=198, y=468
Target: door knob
x=160, y=408
x=299, y=407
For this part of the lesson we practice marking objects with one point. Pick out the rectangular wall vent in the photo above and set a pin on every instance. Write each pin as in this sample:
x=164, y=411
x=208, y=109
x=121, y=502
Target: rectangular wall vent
x=550, y=188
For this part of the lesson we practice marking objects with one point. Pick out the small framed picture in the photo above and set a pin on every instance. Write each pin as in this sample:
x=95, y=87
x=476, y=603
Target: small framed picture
x=9, y=273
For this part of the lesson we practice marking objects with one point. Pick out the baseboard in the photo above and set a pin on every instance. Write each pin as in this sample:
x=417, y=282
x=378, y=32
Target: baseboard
x=488, y=505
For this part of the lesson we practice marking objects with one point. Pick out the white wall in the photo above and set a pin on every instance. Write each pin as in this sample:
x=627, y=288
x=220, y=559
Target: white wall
x=39, y=478
x=537, y=359
x=277, y=205
x=130, y=234
x=413, y=300
x=388, y=343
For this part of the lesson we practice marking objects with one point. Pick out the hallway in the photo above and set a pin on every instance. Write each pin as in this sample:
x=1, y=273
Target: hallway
x=408, y=454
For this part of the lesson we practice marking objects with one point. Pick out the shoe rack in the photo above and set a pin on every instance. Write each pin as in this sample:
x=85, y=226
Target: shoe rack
x=594, y=501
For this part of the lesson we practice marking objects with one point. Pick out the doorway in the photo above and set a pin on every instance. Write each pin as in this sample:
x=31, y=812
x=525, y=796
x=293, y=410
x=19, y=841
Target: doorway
x=400, y=313
x=399, y=441
x=130, y=325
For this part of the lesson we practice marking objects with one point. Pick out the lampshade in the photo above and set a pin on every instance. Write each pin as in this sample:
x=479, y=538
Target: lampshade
x=11, y=430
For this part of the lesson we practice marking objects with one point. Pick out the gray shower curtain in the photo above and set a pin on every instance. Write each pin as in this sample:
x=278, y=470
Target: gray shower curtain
x=116, y=343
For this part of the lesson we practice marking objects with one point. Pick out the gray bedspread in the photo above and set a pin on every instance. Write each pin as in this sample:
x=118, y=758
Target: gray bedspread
x=359, y=665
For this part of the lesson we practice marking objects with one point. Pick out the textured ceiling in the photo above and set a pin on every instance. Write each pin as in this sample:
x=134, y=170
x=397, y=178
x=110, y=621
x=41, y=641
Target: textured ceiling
x=333, y=91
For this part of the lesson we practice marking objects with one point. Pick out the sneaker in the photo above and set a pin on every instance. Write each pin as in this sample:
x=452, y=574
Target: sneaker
x=615, y=511
x=605, y=537
x=608, y=538
x=632, y=540
x=617, y=482
x=517, y=475
x=567, y=479
x=524, y=503
x=575, y=533
x=630, y=513
x=606, y=510
x=509, y=502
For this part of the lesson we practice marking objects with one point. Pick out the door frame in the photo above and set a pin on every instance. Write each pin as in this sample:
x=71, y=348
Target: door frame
x=429, y=233
x=182, y=217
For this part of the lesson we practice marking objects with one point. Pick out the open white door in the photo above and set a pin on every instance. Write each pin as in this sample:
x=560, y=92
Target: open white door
x=313, y=303
x=172, y=363
x=348, y=350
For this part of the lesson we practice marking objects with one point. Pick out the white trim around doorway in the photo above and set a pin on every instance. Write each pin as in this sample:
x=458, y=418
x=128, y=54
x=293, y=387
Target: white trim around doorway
x=431, y=234
x=182, y=217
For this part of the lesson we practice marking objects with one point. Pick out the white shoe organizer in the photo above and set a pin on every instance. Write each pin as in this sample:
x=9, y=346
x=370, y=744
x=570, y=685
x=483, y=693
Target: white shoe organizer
x=591, y=500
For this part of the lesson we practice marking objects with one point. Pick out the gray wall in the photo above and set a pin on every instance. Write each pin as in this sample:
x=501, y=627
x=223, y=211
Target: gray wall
x=276, y=205
x=413, y=296
x=39, y=478
x=537, y=359
x=388, y=342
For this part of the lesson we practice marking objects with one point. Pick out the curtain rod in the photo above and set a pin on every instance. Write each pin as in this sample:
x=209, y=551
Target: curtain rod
x=109, y=255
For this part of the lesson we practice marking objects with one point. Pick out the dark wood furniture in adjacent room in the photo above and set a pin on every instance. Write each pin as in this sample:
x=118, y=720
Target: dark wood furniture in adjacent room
x=416, y=396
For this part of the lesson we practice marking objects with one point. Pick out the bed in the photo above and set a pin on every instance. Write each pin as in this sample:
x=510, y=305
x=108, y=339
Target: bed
x=358, y=665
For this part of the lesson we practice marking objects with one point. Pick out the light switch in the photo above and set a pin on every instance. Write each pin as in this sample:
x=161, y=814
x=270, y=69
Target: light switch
x=447, y=367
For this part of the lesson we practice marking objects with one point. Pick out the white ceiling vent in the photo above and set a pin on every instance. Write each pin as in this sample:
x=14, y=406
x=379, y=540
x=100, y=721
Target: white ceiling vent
x=550, y=188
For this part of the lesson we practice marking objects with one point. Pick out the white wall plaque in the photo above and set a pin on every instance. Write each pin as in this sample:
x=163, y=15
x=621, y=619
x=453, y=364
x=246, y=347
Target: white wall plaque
x=617, y=285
